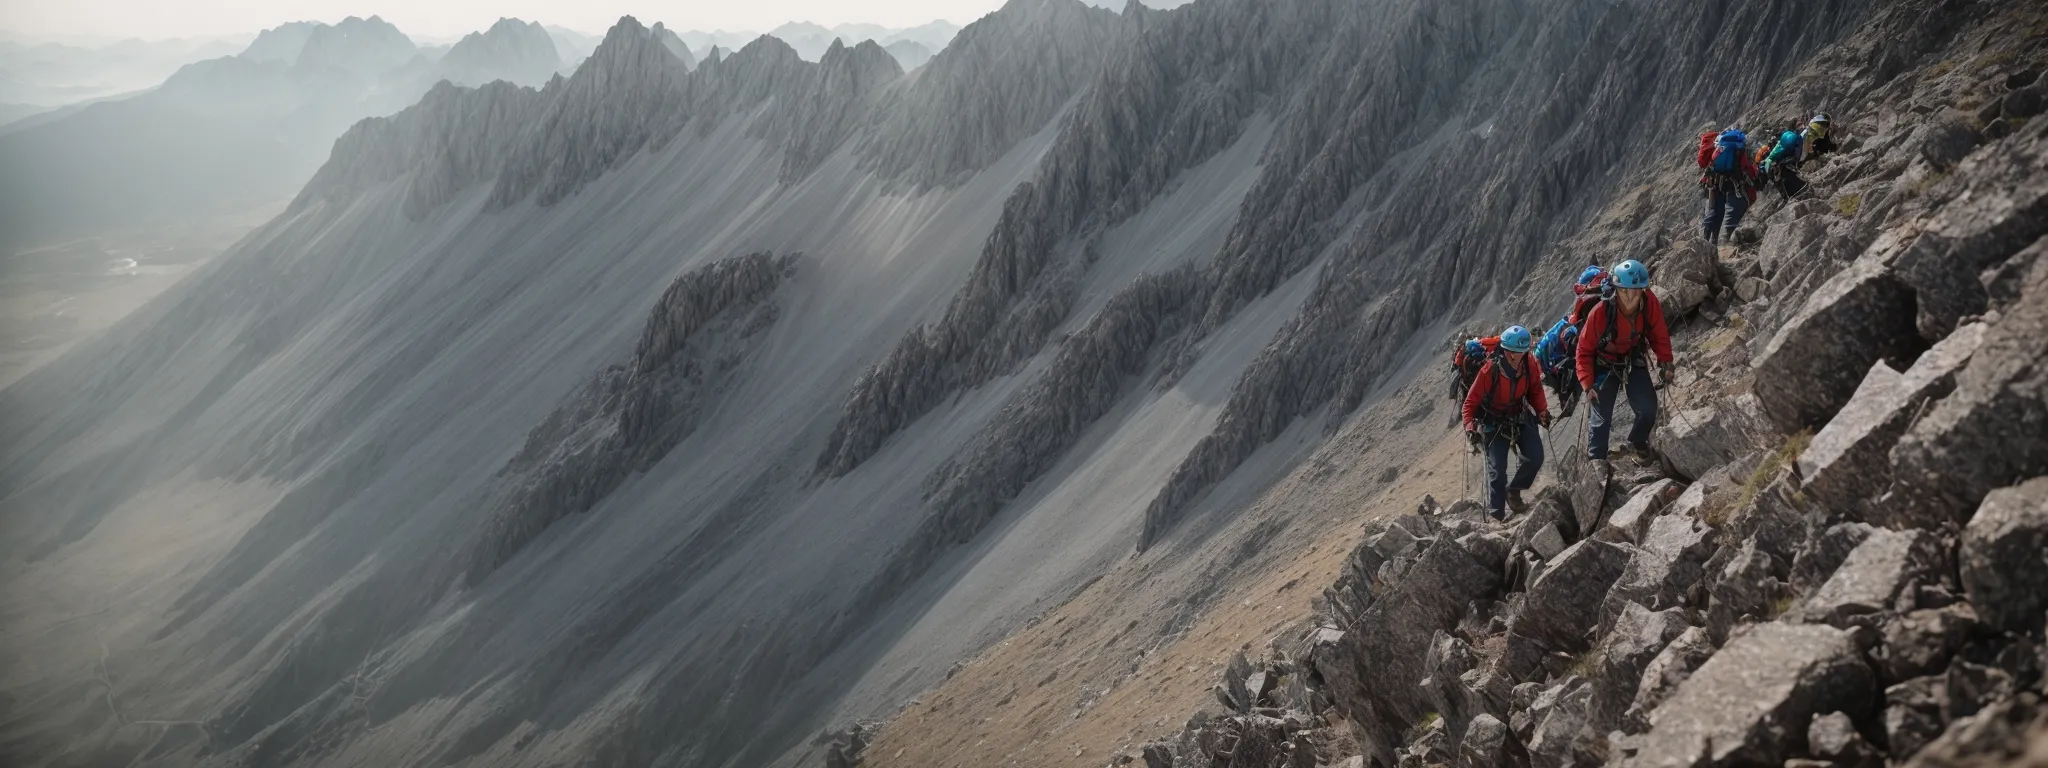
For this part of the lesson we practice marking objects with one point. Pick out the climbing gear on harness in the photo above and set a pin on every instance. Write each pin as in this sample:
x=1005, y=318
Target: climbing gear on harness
x=1631, y=274
x=1515, y=339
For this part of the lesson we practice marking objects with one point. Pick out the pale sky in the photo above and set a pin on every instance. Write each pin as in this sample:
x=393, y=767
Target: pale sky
x=157, y=19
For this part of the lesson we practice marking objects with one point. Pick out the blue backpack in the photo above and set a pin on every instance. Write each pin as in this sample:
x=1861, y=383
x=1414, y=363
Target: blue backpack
x=1559, y=348
x=1728, y=152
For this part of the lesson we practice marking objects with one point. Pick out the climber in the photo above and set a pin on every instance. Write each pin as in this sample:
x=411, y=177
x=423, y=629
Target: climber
x=1816, y=135
x=1466, y=357
x=1613, y=349
x=1728, y=180
x=1781, y=163
x=1502, y=412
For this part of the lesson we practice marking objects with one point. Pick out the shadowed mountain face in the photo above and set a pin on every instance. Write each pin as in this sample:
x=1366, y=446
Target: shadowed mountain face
x=535, y=464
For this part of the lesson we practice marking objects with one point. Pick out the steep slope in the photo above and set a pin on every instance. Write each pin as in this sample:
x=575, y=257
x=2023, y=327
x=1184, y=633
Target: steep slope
x=1068, y=321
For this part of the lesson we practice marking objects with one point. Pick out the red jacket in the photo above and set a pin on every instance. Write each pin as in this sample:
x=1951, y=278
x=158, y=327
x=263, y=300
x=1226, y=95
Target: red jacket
x=1496, y=394
x=1647, y=322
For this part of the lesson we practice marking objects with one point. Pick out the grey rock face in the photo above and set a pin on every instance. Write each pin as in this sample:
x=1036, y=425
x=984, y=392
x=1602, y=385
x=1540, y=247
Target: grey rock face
x=1665, y=672
x=1807, y=372
x=1639, y=636
x=1388, y=644
x=2004, y=209
x=1875, y=575
x=1752, y=702
x=1488, y=743
x=1631, y=520
x=1696, y=441
x=1672, y=558
x=1849, y=460
x=2004, y=557
x=1824, y=552
x=629, y=416
x=1563, y=604
x=1000, y=80
x=1559, y=737
x=1913, y=714
x=2001, y=400
x=1921, y=642
x=1834, y=738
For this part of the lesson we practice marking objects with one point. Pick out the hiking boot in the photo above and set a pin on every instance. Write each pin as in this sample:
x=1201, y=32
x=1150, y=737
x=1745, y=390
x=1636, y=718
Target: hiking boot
x=1643, y=454
x=1516, y=503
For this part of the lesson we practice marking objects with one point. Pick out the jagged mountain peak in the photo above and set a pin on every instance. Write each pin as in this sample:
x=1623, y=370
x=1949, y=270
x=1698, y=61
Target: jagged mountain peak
x=357, y=44
x=282, y=42
x=519, y=51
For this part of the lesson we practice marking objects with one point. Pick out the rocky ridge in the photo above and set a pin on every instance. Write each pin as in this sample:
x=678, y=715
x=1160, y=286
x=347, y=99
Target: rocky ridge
x=1766, y=594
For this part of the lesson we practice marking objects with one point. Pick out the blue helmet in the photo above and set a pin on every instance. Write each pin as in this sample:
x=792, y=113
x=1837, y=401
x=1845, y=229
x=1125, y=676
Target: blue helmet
x=1515, y=339
x=1631, y=274
x=1591, y=274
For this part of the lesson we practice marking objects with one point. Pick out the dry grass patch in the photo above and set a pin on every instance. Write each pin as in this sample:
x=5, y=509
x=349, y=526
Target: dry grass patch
x=1849, y=204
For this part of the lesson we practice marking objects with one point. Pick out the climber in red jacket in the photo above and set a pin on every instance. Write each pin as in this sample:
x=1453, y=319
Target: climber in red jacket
x=1618, y=336
x=1502, y=411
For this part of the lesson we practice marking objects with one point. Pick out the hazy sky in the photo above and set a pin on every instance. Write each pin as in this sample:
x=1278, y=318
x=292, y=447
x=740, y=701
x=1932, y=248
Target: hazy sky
x=152, y=19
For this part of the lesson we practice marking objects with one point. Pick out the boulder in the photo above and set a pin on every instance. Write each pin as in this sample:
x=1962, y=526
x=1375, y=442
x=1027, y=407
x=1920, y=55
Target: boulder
x=1796, y=240
x=2013, y=732
x=2004, y=557
x=1808, y=370
x=1389, y=642
x=1920, y=643
x=2004, y=283
x=1488, y=744
x=1750, y=289
x=1563, y=603
x=1561, y=720
x=1833, y=737
x=1946, y=140
x=1742, y=588
x=1664, y=673
x=1629, y=520
x=2004, y=209
x=1547, y=542
x=1823, y=552
x=1849, y=460
x=1971, y=687
x=1695, y=441
x=1913, y=714
x=1589, y=494
x=1672, y=558
x=1450, y=658
x=2024, y=103
x=1945, y=463
x=1873, y=577
x=1751, y=703
x=1638, y=637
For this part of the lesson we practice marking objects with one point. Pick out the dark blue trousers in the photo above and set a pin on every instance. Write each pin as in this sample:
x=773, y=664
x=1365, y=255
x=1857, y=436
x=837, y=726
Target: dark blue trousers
x=1642, y=397
x=1530, y=441
x=1725, y=206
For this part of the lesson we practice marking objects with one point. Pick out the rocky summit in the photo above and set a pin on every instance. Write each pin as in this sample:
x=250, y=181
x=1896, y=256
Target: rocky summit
x=1070, y=395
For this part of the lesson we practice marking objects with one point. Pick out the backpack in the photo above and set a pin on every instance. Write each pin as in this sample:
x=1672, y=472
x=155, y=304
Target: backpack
x=1466, y=358
x=1728, y=153
x=1558, y=350
x=1788, y=145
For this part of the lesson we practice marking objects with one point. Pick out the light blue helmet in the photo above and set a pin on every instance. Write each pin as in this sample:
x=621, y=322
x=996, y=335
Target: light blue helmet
x=1591, y=274
x=1515, y=339
x=1631, y=274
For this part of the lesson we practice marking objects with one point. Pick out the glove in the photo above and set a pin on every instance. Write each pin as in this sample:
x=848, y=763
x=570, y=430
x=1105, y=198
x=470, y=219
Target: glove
x=1592, y=396
x=1668, y=372
x=1543, y=419
x=1476, y=439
